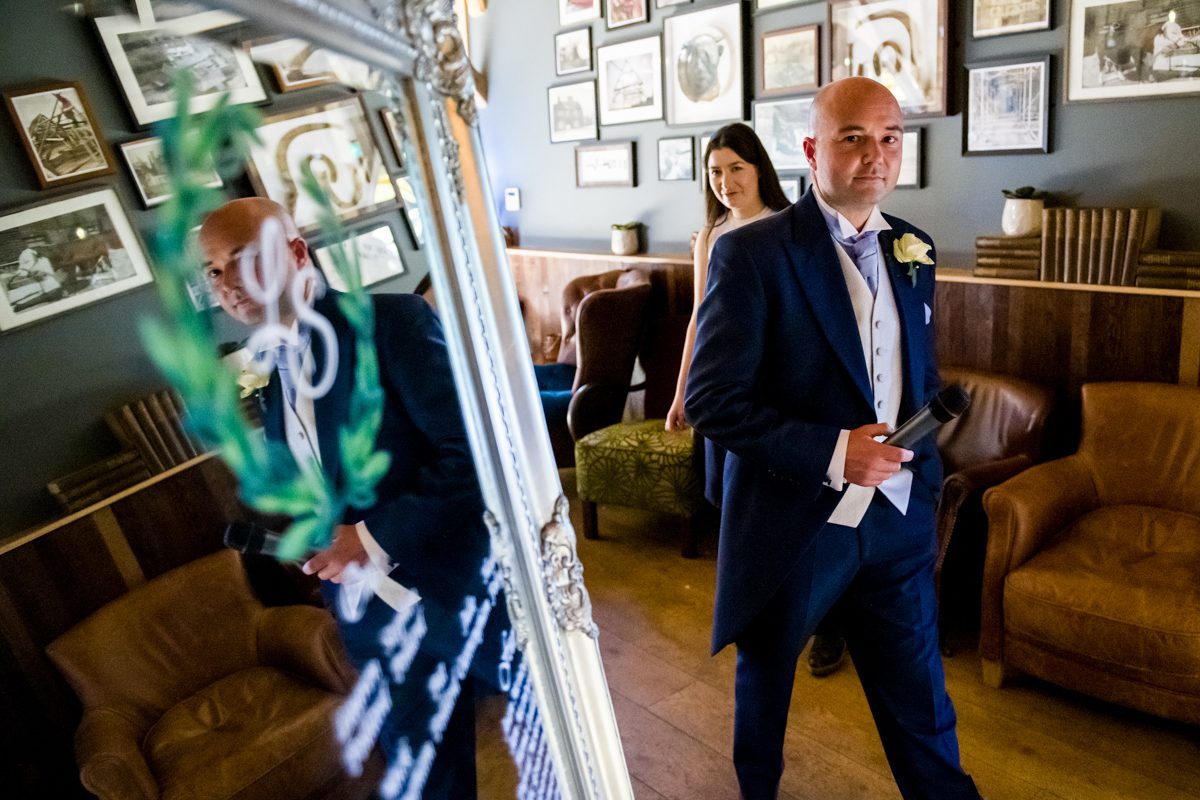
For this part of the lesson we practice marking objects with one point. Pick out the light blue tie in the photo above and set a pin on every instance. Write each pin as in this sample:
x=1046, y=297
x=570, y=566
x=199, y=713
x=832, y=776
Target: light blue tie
x=285, y=375
x=863, y=250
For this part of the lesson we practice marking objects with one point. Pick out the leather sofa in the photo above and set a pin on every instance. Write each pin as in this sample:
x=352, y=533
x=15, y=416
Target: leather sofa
x=1092, y=578
x=192, y=688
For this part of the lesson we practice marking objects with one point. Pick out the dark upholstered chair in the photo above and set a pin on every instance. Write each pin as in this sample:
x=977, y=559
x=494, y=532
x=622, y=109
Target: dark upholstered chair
x=1092, y=578
x=603, y=321
x=191, y=688
x=999, y=435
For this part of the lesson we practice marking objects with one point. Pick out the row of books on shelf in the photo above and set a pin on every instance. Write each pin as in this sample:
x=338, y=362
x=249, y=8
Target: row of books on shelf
x=1169, y=269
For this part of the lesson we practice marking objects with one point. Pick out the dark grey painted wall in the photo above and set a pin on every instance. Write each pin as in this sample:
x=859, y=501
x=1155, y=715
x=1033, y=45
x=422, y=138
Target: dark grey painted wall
x=59, y=375
x=1138, y=152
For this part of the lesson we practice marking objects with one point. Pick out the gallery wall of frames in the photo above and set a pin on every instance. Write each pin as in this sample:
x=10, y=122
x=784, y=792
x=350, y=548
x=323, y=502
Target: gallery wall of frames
x=1081, y=98
x=84, y=173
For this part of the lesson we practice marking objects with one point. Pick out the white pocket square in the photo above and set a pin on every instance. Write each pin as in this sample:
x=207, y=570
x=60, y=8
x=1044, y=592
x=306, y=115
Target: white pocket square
x=928, y=313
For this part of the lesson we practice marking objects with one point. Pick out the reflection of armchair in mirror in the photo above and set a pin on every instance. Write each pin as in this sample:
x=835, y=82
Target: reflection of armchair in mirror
x=419, y=71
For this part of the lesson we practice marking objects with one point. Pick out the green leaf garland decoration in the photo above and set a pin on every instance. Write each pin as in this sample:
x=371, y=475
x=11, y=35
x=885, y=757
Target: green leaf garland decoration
x=184, y=347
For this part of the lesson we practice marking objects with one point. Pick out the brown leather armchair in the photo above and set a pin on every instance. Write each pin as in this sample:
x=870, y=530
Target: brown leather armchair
x=191, y=688
x=1092, y=578
x=998, y=436
x=604, y=318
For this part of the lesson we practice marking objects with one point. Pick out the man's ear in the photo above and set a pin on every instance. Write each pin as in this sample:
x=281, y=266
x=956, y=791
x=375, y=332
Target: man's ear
x=299, y=249
x=810, y=151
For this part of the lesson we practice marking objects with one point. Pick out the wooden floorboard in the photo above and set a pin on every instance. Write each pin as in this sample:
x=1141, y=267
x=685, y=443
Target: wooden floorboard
x=1027, y=741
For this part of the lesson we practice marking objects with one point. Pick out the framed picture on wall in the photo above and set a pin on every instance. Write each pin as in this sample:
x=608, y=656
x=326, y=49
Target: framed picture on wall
x=900, y=43
x=630, y=81
x=59, y=132
x=335, y=140
x=677, y=159
x=1122, y=49
x=912, y=163
x=573, y=11
x=395, y=134
x=790, y=60
x=573, y=52
x=296, y=64
x=768, y=5
x=1007, y=107
x=69, y=253
x=793, y=186
x=998, y=17
x=619, y=13
x=152, y=11
x=145, y=57
x=782, y=125
x=378, y=257
x=572, y=112
x=148, y=166
x=412, y=209
x=668, y=3
x=607, y=164
x=704, y=65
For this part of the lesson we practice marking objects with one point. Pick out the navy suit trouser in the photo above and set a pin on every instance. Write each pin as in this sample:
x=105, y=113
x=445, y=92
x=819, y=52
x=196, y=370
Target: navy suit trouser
x=877, y=581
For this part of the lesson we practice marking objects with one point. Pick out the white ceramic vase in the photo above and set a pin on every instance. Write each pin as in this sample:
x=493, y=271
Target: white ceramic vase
x=624, y=241
x=1022, y=216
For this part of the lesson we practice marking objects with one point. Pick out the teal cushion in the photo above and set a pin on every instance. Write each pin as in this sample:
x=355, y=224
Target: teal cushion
x=640, y=465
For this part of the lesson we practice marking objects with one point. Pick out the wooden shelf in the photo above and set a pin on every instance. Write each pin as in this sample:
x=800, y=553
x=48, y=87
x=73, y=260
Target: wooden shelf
x=965, y=276
x=599, y=255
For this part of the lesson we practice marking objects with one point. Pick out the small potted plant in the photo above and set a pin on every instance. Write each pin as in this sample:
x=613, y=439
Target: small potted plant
x=625, y=238
x=1022, y=211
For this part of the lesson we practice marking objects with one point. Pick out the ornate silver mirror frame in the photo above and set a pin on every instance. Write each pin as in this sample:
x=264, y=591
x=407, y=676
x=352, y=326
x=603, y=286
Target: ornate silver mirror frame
x=418, y=42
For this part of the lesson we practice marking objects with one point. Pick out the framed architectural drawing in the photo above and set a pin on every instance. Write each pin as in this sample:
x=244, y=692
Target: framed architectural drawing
x=607, y=164
x=900, y=43
x=619, y=13
x=69, y=253
x=148, y=167
x=1007, y=107
x=705, y=76
x=145, y=58
x=782, y=125
x=572, y=112
x=630, y=81
x=296, y=64
x=790, y=60
x=573, y=52
x=573, y=11
x=378, y=257
x=335, y=140
x=59, y=132
x=1146, y=48
x=677, y=159
x=998, y=17
x=912, y=163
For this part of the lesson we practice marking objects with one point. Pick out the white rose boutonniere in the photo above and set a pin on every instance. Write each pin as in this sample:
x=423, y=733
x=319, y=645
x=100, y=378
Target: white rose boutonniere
x=249, y=380
x=910, y=250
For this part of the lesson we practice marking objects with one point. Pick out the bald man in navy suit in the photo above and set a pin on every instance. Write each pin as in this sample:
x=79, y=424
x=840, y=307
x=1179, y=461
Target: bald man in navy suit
x=815, y=337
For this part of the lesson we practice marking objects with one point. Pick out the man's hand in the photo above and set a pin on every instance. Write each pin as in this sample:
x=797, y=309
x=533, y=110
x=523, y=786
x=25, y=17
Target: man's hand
x=868, y=462
x=347, y=548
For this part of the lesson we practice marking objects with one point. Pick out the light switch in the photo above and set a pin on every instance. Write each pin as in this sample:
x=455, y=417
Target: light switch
x=512, y=199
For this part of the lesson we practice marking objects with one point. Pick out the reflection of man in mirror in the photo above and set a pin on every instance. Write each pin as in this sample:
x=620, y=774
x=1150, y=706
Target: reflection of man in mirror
x=424, y=532
x=813, y=339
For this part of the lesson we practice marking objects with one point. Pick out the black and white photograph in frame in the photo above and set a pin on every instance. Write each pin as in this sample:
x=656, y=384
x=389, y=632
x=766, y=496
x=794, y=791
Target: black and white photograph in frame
x=395, y=134
x=782, y=126
x=335, y=140
x=573, y=11
x=793, y=186
x=158, y=11
x=145, y=58
x=669, y=3
x=296, y=63
x=66, y=254
x=704, y=65
x=619, y=13
x=607, y=164
x=790, y=60
x=630, y=81
x=677, y=159
x=1000, y=17
x=1007, y=107
x=912, y=164
x=573, y=52
x=1133, y=49
x=378, y=257
x=148, y=165
x=900, y=43
x=572, y=109
x=59, y=132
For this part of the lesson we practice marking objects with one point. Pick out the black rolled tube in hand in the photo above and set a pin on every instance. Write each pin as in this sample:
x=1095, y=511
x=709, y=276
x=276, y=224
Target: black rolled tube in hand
x=945, y=406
